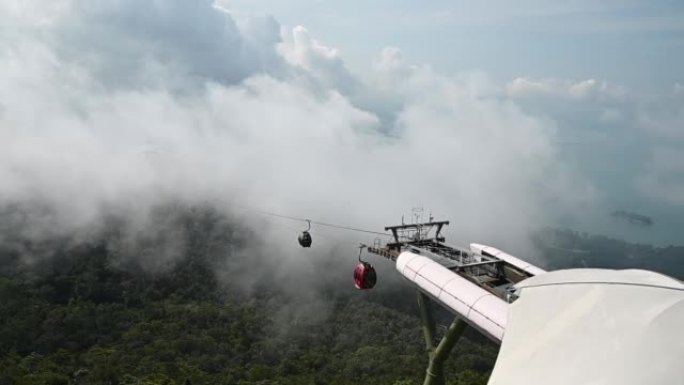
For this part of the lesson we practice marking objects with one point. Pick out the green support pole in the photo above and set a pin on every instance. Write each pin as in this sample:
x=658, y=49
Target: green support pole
x=434, y=375
x=425, y=306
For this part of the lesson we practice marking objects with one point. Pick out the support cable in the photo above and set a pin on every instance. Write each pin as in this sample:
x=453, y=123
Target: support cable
x=319, y=223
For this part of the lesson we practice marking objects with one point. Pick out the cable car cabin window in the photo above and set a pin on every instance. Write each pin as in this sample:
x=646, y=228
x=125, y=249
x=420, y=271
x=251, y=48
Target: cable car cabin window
x=370, y=279
x=358, y=279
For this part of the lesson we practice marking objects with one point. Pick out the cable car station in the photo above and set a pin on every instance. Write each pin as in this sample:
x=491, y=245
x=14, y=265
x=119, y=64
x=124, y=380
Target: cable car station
x=473, y=284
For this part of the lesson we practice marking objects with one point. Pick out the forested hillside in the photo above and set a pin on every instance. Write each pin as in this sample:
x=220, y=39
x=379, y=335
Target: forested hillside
x=193, y=298
x=98, y=310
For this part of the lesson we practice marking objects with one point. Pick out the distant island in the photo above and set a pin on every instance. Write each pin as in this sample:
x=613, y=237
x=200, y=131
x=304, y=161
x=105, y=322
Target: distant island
x=632, y=218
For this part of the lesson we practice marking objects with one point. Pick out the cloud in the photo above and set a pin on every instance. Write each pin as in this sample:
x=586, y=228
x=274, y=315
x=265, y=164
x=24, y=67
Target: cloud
x=167, y=44
x=121, y=105
x=562, y=88
x=662, y=117
x=321, y=65
x=678, y=89
x=663, y=178
x=661, y=122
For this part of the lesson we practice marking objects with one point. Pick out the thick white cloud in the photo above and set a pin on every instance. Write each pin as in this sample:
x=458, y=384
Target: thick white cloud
x=128, y=43
x=123, y=104
x=320, y=64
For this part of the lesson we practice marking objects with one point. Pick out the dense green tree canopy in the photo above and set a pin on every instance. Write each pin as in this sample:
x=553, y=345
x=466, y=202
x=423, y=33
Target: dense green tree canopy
x=101, y=310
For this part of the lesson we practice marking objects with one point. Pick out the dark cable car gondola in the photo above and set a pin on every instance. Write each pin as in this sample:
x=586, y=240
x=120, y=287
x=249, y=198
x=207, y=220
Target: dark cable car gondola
x=364, y=274
x=305, y=238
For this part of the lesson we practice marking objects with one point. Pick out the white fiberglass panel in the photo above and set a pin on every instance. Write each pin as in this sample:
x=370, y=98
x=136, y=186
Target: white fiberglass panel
x=493, y=308
x=594, y=326
x=401, y=262
x=427, y=285
x=485, y=325
x=437, y=274
x=465, y=290
x=456, y=293
x=517, y=262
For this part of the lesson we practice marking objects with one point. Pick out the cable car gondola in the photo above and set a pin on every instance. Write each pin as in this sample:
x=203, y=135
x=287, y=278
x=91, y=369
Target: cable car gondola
x=305, y=237
x=364, y=274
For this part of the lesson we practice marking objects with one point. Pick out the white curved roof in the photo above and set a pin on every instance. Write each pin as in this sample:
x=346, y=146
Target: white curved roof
x=517, y=262
x=594, y=326
x=590, y=276
x=480, y=308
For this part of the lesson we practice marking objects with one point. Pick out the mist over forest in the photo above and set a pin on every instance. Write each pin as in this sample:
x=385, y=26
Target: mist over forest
x=198, y=297
x=221, y=308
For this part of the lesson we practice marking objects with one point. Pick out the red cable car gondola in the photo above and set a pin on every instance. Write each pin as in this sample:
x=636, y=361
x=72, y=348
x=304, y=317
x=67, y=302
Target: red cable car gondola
x=364, y=274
